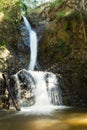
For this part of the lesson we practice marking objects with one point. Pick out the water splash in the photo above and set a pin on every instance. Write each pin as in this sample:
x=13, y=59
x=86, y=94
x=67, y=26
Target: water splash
x=41, y=94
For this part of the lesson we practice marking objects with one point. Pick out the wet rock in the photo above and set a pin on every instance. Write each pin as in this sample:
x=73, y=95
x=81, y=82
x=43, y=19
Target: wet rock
x=24, y=41
x=23, y=88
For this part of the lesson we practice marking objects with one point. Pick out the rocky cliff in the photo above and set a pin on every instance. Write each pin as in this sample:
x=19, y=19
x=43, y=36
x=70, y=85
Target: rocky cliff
x=63, y=50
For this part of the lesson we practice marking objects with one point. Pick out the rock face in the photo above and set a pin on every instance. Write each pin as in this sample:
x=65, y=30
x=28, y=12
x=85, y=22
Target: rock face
x=23, y=88
x=24, y=37
x=62, y=50
x=12, y=54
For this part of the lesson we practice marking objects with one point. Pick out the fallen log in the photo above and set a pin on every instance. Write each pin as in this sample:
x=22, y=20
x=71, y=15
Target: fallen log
x=7, y=84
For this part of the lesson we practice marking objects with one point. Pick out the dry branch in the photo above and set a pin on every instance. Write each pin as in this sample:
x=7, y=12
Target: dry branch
x=15, y=103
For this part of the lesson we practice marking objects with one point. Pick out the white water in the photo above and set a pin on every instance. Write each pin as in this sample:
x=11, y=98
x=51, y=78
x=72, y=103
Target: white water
x=33, y=45
x=41, y=95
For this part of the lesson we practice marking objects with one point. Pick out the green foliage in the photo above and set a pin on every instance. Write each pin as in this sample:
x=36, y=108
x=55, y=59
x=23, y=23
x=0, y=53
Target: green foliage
x=66, y=26
x=61, y=14
x=11, y=9
x=3, y=44
x=28, y=6
x=57, y=3
x=52, y=5
x=24, y=8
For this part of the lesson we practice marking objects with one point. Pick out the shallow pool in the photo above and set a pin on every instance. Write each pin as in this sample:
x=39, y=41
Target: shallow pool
x=59, y=119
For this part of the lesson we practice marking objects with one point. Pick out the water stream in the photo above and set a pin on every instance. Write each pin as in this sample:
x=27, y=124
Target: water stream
x=33, y=45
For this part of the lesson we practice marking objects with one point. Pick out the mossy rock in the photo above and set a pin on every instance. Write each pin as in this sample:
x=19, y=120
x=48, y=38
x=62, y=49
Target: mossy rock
x=64, y=35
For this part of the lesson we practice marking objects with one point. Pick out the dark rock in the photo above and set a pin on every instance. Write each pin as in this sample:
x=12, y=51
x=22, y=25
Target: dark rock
x=24, y=41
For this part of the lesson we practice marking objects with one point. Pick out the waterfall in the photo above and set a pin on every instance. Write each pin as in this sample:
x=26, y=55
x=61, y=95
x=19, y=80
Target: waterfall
x=33, y=44
x=36, y=88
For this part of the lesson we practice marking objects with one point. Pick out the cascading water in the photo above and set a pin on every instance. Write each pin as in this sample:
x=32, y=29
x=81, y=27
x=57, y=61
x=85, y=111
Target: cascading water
x=38, y=91
x=41, y=95
x=36, y=88
x=33, y=44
